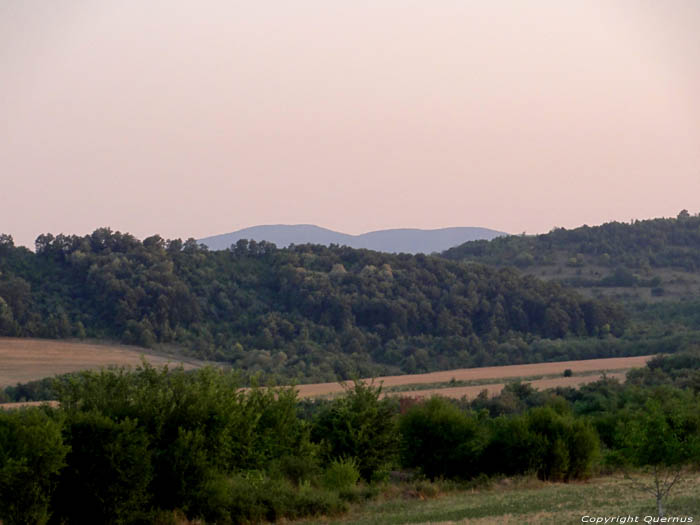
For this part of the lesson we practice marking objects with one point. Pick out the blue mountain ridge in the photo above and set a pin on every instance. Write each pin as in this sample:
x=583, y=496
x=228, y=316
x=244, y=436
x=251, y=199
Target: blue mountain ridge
x=401, y=240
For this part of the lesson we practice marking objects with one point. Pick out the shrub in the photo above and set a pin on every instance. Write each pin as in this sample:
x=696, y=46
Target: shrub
x=108, y=471
x=32, y=452
x=441, y=440
x=341, y=474
x=358, y=425
x=565, y=448
x=256, y=498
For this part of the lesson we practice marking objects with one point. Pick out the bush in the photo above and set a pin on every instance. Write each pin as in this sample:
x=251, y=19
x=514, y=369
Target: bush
x=108, y=471
x=358, y=425
x=297, y=469
x=257, y=498
x=441, y=440
x=565, y=447
x=32, y=452
x=341, y=474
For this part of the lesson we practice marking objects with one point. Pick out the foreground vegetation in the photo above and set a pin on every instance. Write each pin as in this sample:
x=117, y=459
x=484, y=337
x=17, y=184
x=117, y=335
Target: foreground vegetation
x=157, y=445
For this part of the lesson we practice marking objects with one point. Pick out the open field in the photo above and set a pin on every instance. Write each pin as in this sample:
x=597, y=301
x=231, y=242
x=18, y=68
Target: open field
x=23, y=360
x=616, y=364
x=495, y=388
x=526, y=501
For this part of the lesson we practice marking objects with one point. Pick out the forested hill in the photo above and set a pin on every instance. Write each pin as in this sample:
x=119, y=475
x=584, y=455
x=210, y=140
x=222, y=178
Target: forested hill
x=660, y=254
x=308, y=311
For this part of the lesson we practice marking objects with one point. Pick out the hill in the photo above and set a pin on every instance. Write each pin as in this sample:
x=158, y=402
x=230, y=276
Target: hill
x=405, y=240
x=312, y=312
x=650, y=260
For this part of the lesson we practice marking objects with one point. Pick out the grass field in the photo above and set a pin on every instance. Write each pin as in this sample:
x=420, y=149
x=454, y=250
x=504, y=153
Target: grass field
x=23, y=360
x=592, y=368
x=523, y=501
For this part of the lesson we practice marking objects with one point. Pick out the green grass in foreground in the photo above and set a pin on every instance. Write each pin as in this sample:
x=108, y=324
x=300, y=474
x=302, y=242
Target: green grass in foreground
x=524, y=501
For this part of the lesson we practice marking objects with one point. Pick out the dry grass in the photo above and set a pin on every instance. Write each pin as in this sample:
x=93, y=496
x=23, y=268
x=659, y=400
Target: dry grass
x=494, y=372
x=23, y=360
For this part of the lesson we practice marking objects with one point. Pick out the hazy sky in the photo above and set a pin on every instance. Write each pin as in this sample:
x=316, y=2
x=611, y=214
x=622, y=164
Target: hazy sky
x=192, y=118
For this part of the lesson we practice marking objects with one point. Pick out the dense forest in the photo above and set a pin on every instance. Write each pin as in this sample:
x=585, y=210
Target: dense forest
x=639, y=245
x=158, y=446
x=307, y=311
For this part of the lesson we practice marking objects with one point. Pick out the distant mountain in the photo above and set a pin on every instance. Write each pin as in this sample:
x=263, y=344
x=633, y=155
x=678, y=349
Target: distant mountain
x=403, y=240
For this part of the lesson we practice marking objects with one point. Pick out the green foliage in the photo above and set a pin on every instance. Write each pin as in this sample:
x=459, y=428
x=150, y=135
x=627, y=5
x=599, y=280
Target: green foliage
x=441, y=439
x=291, y=312
x=200, y=426
x=32, y=453
x=257, y=498
x=360, y=426
x=108, y=471
x=565, y=447
x=341, y=474
x=655, y=243
x=663, y=438
x=662, y=435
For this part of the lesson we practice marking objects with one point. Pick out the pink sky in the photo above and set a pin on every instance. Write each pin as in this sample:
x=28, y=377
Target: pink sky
x=193, y=118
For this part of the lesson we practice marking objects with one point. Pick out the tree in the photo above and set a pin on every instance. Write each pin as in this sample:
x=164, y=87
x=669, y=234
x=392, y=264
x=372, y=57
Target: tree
x=662, y=440
x=32, y=453
x=361, y=426
x=108, y=470
x=441, y=439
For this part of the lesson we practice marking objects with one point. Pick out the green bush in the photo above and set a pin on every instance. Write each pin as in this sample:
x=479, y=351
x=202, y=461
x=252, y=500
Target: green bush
x=32, y=452
x=256, y=498
x=565, y=447
x=297, y=469
x=341, y=474
x=441, y=439
x=358, y=425
x=108, y=471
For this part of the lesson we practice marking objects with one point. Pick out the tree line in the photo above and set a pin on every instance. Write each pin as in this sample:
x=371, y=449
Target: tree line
x=311, y=312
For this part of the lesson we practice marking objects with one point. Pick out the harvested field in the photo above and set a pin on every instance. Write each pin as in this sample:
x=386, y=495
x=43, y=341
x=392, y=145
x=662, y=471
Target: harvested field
x=495, y=388
x=23, y=360
x=617, y=364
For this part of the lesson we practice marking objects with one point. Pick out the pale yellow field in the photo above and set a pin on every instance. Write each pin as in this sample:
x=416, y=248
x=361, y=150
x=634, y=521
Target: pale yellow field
x=23, y=360
x=617, y=364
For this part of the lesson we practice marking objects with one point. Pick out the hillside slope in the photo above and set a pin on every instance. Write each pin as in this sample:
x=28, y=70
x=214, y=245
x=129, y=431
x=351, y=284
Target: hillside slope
x=646, y=260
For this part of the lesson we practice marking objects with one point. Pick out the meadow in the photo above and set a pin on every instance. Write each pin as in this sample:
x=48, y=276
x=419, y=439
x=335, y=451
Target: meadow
x=522, y=501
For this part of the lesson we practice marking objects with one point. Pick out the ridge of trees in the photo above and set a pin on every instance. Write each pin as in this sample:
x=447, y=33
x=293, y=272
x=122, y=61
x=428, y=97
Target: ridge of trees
x=638, y=245
x=307, y=311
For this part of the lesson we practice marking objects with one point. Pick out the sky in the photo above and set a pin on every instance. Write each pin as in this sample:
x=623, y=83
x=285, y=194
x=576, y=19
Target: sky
x=193, y=118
